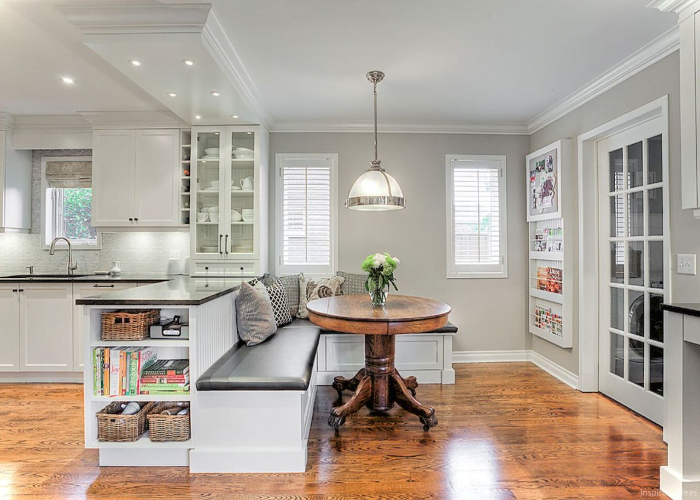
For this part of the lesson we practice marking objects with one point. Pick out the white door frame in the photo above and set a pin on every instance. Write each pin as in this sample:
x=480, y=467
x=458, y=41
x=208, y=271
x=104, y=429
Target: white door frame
x=588, y=214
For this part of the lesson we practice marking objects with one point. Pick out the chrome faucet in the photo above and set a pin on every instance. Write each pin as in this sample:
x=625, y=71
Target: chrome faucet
x=72, y=266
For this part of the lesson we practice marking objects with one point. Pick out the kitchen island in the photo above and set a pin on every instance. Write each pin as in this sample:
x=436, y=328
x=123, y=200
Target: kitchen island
x=208, y=306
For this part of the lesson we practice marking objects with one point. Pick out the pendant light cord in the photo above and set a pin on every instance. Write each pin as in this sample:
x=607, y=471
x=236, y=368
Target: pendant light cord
x=376, y=157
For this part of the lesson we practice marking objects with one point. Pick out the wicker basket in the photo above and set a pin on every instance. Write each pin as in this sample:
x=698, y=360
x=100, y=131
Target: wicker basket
x=113, y=427
x=168, y=427
x=128, y=325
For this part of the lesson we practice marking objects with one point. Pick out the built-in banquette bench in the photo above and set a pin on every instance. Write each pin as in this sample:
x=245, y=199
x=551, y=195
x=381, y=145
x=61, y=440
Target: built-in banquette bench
x=255, y=404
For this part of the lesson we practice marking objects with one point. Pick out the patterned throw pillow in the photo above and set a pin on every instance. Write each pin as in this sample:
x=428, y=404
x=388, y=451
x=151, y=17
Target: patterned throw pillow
x=254, y=315
x=280, y=305
x=291, y=287
x=354, y=284
x=310, y=290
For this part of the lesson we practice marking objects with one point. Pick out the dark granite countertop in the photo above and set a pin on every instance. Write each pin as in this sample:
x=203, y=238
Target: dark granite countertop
x=179, y=290
x=689, y=309
x=80, y=277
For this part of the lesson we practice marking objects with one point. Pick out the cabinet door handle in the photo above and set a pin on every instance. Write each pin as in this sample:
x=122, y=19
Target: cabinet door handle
x=226, y=245
x=206, y=268
x=131, y=219
x=102, y=286
x=221, y=252
x=136, y=219
x=15, y=290
x=21, y=290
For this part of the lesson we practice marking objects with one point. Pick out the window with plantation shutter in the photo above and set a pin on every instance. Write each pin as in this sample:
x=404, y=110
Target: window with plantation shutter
x=476, y=216
x=306, y=213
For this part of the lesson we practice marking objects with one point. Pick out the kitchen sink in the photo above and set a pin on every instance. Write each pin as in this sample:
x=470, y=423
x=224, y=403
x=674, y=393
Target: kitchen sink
x=44, y=276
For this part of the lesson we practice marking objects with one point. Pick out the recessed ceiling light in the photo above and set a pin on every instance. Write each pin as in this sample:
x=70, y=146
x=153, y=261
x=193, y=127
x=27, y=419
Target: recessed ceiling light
x=214, y=93
x=197, y=117
x=134, y=62
x=67, y=79
x=188, y=62
x=234, y=116
x=172, y=94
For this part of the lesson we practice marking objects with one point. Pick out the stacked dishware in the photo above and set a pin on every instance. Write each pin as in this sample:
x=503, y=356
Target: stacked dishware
x=211, y=154
x=243, y=246
x=243, y=153
x=236, y=216
x=248, y=214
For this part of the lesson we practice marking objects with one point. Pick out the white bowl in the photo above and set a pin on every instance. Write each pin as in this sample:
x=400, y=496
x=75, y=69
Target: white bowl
x=202, y=216
x=243, y=149
x=236, y=216
x=211, y=210
x=212, y=151
x=214, y=217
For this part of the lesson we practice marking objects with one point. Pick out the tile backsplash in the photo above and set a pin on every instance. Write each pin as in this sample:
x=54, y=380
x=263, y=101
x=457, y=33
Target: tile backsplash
x=138, y=252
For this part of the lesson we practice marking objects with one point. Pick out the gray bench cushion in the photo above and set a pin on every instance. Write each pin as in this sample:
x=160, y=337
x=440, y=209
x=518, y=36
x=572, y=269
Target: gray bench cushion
x=284, y=362
x=301, y=323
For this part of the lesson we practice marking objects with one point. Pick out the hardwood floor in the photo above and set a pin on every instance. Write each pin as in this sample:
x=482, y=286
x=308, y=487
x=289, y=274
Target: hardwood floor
x=507, y=430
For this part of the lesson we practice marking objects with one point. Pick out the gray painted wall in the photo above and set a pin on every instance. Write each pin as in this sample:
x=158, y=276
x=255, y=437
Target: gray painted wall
x=491, y=313
x=656, y=81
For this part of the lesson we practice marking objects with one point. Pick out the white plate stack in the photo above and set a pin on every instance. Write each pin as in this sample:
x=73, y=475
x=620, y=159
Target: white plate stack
x=243, y=154
x=243, y=246
x=248, y=214
x=211, y=154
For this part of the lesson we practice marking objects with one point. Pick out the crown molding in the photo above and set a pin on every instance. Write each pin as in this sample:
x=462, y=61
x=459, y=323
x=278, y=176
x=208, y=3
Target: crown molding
x=6, y=121
x=664, y=45
x=403, y=127
x=137, y=19
x=671, y=5
x=133, y=119
x=222, y=50
x=48, y=124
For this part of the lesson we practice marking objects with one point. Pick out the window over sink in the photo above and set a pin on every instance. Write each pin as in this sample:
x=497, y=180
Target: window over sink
x=66, y=185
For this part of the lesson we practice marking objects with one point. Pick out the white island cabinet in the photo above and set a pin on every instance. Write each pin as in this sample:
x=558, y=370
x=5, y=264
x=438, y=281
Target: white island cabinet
x=9, y=333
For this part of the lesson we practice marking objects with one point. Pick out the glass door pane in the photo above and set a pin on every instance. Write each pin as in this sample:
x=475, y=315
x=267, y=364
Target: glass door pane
x=207, y=209
x=243, y=216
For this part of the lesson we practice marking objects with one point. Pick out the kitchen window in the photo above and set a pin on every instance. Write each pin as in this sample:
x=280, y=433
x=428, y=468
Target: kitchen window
x=476, y=216
x=67, y=202
x=306, y=214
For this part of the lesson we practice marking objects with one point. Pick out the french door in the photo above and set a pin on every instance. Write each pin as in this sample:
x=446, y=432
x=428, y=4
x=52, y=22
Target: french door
x=634, y=256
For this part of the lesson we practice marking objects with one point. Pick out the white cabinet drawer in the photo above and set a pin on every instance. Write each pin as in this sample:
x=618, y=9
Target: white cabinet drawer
x=226, y=269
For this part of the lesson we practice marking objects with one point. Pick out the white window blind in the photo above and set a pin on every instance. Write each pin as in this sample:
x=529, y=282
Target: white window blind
x=306, y=206
x=476, y=191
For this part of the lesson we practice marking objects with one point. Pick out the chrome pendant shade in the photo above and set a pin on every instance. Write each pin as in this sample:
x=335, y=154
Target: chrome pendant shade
x=375, y=190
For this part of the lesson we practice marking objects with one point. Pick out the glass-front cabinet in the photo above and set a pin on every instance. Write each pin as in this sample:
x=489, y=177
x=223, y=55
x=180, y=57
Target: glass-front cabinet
x=229, y=185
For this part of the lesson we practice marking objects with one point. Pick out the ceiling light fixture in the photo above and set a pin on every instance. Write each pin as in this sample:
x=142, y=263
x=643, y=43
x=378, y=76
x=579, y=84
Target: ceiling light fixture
x=172, y=94
x=134, y=62
x=68, y=80
x=188, y=62
x=214, y=93
x=375, y=190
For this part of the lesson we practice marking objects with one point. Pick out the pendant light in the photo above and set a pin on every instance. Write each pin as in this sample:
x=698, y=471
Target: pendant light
x=375, y=190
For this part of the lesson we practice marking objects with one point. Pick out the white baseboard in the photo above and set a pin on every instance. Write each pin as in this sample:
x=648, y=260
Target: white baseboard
x=569, y=378
x=41, y=377
x=489, y=356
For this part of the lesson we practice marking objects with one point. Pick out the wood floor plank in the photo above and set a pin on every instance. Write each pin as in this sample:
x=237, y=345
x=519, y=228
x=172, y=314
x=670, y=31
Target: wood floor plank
x=507, y=430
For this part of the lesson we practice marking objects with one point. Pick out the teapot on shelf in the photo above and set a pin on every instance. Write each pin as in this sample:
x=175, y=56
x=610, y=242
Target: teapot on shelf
x=247, y=184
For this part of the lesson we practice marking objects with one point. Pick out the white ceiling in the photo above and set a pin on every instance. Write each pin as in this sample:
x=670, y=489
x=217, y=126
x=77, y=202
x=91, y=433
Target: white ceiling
x=462, y=61
x=37, y=46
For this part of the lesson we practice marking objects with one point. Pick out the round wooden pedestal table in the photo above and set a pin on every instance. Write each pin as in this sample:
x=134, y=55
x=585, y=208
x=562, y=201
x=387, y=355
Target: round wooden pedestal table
x=379, y=385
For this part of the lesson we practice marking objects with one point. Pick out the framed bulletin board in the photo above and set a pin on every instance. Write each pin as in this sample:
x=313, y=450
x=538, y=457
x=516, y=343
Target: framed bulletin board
x=543, y=183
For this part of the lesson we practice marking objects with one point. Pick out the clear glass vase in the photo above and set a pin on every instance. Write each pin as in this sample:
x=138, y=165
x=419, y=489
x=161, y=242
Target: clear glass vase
x=377, y=294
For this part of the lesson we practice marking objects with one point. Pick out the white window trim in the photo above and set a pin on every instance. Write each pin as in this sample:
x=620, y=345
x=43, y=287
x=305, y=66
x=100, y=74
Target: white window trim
x=281, y=270
x=44, y=186
x=454, y=271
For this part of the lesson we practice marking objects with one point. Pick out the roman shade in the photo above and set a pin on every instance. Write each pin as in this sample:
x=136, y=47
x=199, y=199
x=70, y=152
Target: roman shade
x=69, y=174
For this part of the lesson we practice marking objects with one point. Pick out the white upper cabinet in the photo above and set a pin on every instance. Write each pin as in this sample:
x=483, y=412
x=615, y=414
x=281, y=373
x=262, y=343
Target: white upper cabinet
x=690, y=97
x=229, y=185
x=15, y=186
x=136, y=177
